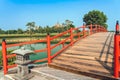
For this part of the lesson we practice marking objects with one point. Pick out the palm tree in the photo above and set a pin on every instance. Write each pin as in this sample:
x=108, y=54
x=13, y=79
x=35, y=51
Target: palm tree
x=30, y=27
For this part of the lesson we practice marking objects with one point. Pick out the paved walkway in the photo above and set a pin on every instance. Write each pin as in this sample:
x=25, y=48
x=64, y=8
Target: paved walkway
x=1, y=75
x=46, y=73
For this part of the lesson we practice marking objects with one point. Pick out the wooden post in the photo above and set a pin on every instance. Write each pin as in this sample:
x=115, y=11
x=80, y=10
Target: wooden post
x=116, y=56
x=71, y=36
x=116, y=52
x=98, y=29
x=48, y=48
x=4, y=54
x=117, y=27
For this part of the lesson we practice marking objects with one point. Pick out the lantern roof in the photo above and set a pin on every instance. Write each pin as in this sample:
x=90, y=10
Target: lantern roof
x=23, y=51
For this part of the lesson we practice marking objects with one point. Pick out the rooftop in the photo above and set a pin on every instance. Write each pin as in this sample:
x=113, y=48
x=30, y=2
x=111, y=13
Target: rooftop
x=23, y=51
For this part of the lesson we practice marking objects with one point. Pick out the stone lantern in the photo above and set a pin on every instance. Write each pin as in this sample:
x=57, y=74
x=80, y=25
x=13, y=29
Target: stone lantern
x=22, y=61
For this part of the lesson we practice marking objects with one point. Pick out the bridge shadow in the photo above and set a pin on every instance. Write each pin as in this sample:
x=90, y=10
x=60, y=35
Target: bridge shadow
x=108, y=53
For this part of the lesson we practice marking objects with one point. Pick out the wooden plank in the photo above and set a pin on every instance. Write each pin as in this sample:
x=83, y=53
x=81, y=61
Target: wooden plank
x=73, y=70
x=91, y=60
x=84, y=67
x=79, y=53
x=91, y=50
x=86, y=57
x=84, y=61
x=89, y=45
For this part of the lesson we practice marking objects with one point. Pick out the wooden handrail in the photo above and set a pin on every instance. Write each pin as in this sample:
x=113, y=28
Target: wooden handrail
x=11, y=55
x=41, y=50
x=63, y=41
x=61, y=34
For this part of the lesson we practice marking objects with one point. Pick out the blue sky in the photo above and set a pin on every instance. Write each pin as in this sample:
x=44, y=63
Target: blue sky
x=15, y=14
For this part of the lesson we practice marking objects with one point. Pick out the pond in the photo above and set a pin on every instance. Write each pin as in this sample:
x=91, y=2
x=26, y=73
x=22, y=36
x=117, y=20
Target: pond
x=37, y=46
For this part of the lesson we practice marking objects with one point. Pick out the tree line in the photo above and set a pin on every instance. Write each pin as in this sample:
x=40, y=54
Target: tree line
x=32, y=28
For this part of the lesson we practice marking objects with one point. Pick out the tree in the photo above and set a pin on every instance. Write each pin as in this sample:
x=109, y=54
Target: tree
x=95, y=17
x=47, y=29
x=30, y=27
x=11, y=31
x=2, y=31
x=20, y=31
x=68, y=24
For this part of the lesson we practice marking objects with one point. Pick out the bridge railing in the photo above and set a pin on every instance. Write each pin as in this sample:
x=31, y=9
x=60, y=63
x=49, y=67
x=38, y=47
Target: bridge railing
x=117, y=51
x=75, y=35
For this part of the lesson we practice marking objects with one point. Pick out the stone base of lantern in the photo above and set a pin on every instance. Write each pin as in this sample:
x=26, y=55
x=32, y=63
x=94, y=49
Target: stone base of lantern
x=25, y=77
x=22, y=70
x=23, y=73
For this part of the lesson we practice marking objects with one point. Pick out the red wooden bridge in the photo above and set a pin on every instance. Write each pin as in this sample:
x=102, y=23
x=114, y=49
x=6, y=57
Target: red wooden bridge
x=91, y=52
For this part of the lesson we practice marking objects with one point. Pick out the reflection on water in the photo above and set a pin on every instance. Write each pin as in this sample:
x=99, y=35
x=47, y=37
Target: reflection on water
x=37, y=47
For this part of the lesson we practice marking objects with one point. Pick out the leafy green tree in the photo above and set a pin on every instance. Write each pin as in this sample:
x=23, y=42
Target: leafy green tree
x=2, y=31
x=95, y=17
x=47, y=29
x=20, y=31
x=68, y=24
x=11, y=31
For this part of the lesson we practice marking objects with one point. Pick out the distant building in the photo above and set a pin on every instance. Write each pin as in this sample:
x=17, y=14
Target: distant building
x=58, y=25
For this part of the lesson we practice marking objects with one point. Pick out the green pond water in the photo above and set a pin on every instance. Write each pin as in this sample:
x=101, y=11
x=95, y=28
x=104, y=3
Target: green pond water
x=37, y=46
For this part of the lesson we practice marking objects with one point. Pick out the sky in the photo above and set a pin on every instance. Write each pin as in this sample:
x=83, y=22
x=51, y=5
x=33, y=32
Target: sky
x=16, y=14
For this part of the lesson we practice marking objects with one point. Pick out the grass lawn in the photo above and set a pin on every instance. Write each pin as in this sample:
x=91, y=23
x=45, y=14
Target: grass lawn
x=13, y=38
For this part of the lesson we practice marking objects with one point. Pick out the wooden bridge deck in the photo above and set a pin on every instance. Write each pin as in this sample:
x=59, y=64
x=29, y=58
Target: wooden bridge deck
x=91, y=56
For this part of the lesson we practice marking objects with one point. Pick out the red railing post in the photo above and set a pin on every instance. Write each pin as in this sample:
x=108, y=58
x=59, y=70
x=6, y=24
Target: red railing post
x=63, y=45
x=96, y=28
x=48, y=48
x=78, y=35
x=90, y=28
x=116, y=52
x=117, y=27
x=71, y=35
x=4, y=54
x=101, y=28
